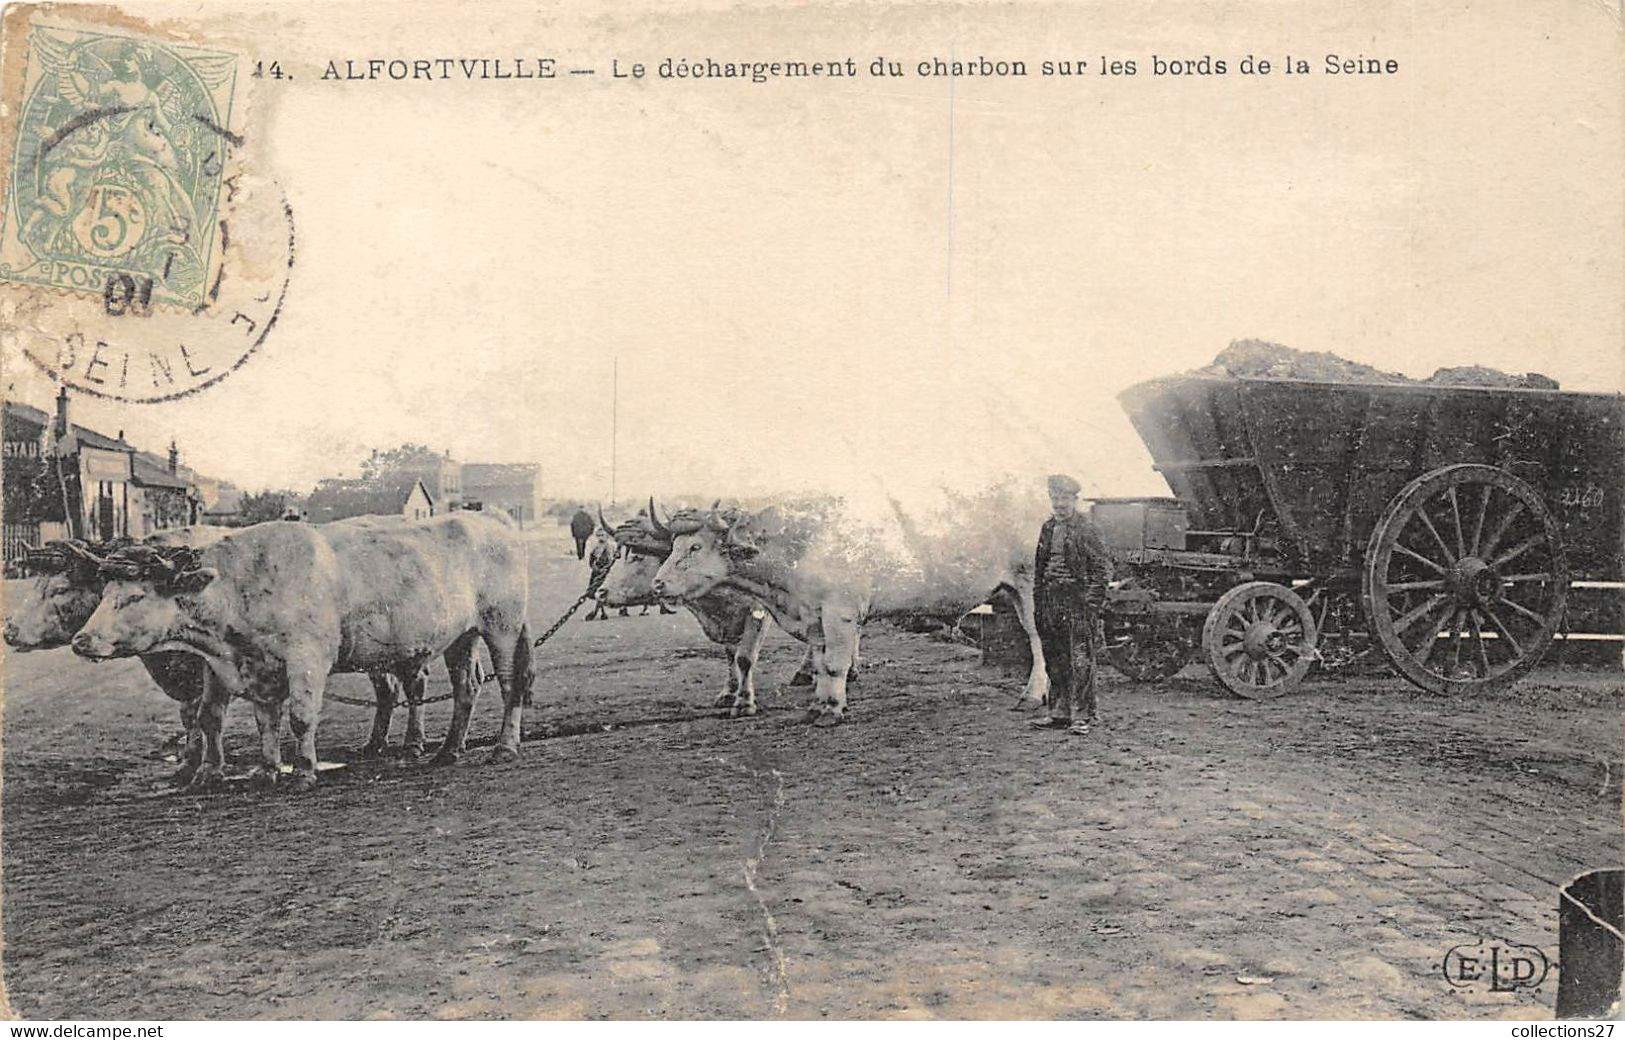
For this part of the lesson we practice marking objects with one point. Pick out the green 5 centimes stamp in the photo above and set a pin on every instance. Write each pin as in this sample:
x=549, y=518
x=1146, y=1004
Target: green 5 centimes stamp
x=118, y=167
x=146, y=248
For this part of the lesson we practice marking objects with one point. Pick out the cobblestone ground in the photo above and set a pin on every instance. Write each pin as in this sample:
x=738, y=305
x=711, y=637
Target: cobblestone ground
x=1315, y=856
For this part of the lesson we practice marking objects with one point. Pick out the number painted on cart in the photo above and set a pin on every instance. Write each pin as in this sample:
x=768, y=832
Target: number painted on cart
x=1580, y=496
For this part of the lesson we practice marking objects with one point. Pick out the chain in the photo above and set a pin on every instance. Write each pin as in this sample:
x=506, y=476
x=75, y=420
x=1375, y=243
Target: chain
x=600, y=571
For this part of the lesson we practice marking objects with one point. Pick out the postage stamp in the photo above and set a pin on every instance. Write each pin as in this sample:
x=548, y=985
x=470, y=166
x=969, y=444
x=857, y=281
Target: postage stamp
x=118, y=167
x=145, y=250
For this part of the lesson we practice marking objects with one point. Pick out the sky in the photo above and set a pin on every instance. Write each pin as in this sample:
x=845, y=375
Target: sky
x=877, y=286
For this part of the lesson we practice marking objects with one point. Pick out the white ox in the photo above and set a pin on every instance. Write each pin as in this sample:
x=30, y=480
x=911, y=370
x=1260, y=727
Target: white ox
x=728, y=617
x=278, y=607
x=822, y=579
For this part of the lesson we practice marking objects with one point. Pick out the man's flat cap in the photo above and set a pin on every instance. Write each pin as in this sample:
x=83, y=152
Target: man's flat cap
x=1061, y=484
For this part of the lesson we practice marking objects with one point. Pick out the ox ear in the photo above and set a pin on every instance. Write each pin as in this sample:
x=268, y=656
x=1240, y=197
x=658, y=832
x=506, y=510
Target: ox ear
x=735, y=548
x=193, y=581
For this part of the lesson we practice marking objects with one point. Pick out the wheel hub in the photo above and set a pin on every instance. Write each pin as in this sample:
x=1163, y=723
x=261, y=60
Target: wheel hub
x=1262, y=640
x=1472, y=582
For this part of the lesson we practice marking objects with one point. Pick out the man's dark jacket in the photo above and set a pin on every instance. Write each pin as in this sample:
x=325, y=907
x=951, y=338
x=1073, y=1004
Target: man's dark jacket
x=1088, y=565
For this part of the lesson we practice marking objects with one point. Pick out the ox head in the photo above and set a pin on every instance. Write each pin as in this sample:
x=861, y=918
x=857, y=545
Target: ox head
x=642, y=545
x=707, y=546
x=67, y=584
x=145, y=602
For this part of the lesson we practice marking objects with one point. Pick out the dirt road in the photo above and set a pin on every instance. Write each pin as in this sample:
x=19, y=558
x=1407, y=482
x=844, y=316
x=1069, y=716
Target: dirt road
x=1198, y=857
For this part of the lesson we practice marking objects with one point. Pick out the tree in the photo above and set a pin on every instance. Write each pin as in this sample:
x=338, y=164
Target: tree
x=407, y=457
x=266, y=505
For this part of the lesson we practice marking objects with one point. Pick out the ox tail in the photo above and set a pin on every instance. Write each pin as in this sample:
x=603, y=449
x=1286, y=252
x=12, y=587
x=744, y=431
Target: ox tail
x=524, y=672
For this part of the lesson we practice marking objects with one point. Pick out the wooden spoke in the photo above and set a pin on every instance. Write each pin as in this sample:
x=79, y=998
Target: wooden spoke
x=1404, y=623
x=1513, y=579
x=1512, y=640
x=1525, y=611
x=1479, y=649
x=1455, y=511
x=1419, y=558
x=1417, y=586
x=1424, y=649
x=1427, y=521
x=1500, y=530
x=1457, y=619
x=1483, y=508
x=1519, y=549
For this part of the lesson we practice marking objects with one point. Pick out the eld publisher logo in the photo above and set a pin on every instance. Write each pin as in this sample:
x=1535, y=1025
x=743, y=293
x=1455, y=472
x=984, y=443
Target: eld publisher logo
x=1504, y=967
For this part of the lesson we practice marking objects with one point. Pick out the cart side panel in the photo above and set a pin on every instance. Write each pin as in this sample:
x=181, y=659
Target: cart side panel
x=1196, y=438
x=1392, y=432
x=1305, y=444
x=1583, y=485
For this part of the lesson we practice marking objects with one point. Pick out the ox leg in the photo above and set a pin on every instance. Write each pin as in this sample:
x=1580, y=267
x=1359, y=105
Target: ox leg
x=730, y=690
x=806, y=669
x=744, y=663
x=385, y=690
x=1037, y=689
x=852, y=672
x=268, y=718
x=412, y=746
x=212, y=700
x=211, y=724
x=192, y=754
x=304, y=706
x=510, y=658
x=464, y=691
x=840, y=643
x=306, y=682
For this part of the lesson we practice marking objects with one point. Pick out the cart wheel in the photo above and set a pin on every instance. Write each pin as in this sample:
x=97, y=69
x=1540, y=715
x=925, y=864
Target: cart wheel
x=1465, y=579
x=1260, y=640
x=1144, y=652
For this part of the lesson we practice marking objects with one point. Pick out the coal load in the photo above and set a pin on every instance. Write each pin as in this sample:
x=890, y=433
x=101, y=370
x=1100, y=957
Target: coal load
x=1260, y=359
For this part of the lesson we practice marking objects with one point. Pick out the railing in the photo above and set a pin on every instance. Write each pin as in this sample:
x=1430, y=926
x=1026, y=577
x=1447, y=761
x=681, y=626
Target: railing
x=17, y=538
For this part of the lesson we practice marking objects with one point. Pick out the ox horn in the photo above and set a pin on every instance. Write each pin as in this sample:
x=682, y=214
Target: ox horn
x=654, y=520
x=81, y=550
x=604, y=523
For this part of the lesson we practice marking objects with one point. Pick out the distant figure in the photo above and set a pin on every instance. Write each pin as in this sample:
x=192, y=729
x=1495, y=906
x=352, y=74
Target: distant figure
x=603, y=552
x=581, y=530
x=1071, y=569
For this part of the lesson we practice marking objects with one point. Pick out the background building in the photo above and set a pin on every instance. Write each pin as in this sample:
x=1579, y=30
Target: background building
x=393, y=494
x=515, y=488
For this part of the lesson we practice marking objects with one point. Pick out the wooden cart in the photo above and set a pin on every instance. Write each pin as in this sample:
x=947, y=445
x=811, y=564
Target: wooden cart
x=1445, y=524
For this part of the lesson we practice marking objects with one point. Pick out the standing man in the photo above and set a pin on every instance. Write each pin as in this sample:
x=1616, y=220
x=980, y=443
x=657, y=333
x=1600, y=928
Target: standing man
x=603, y=554
x=1071, y=569
x=581, y=529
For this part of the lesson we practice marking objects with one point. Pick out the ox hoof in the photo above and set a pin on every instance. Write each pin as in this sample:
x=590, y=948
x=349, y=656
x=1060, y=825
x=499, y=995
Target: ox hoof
x=264, y=777
x=813, y=715
x=801, y=679
x=724, y=700
x=412, y=751
x=743, y=711
x=301, y=781
x=444, y=757
x=829, y=719
x=852, y=677
x=369, y=750
x=502, y=753
x=182, y=777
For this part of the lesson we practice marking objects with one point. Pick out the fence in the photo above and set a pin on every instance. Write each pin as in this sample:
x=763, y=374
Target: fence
x=17, y=537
